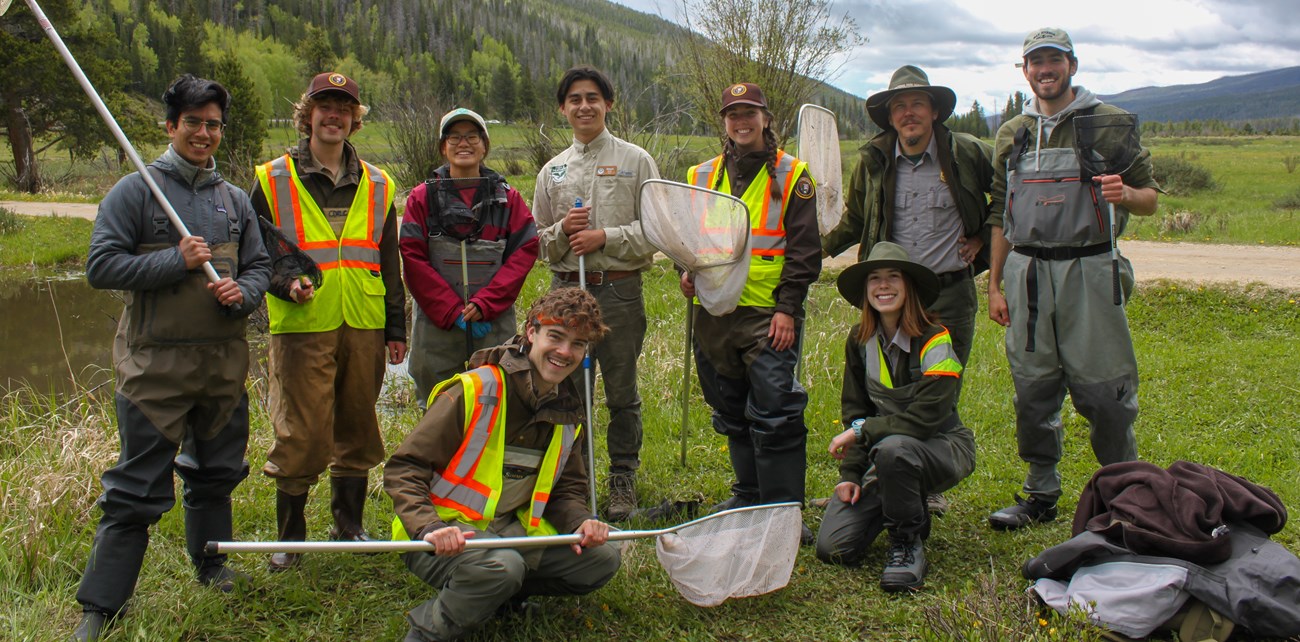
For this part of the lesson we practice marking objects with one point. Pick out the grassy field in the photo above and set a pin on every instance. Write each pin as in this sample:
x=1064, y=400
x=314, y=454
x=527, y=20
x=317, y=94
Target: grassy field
x=1255, y=200
x=1218, y=388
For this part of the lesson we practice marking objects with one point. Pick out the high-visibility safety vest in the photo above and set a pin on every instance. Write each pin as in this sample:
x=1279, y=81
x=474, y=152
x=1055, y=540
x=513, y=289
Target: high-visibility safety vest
x=468, y=489
x=766, y=220
x=353, y=289
x=937, y=358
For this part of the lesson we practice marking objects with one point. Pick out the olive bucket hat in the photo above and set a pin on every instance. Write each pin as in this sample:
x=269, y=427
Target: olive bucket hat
x=853, y=280
x=910, y=78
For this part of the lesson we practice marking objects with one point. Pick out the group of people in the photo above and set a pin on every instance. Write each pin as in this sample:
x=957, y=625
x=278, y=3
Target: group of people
x=498, y=451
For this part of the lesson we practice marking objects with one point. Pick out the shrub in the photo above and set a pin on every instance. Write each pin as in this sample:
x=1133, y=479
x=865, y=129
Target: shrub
x=1182, y=222
x=1288, y=202
x=9, y=222
x=1291, y=160
x=1181, y=177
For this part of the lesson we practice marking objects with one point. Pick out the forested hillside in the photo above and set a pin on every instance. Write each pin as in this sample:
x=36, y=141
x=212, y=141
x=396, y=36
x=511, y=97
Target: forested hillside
x=501, y=57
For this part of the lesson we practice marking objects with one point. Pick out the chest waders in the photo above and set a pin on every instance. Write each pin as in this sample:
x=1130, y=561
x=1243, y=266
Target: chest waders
x=156, y=327
x=1052, y=215
x=456, y=252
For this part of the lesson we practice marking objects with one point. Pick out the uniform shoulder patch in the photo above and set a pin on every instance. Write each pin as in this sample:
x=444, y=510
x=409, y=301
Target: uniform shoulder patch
x=558, y=173
x=804, y=189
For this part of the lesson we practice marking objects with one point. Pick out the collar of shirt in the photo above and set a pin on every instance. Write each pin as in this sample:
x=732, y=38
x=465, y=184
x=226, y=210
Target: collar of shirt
x=598, y=143
x=931, y=151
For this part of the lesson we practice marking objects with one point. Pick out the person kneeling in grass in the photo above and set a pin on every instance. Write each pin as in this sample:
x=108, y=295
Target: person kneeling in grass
x=905, y=439
x=498, y=454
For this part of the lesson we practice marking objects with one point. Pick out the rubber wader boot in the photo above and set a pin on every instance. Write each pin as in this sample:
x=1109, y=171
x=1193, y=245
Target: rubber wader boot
x=781, y=479
x=211, y=524
x=348, y=503
x=113, y=568
x=291, y=522
x=93, y=626
x=744, y=492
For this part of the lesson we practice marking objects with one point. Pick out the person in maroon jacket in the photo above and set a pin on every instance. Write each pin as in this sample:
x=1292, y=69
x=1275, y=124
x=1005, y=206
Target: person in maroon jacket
x=468, y=242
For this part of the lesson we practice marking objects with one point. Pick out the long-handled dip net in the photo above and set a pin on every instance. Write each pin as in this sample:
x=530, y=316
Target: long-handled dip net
x=736, y=553
x=819, y=146
x=1107, y=144
x=706, y=233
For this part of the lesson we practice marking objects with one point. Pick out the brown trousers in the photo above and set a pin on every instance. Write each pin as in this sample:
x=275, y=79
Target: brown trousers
x=324, y=386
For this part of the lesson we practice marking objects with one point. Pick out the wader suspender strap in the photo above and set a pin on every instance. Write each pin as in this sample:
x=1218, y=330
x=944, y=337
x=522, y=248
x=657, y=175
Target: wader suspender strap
x=162, y=225
x=159, y=218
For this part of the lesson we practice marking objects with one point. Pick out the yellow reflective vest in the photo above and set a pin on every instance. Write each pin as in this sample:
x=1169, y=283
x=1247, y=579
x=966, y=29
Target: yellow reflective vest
x=468, y=489
x=766, y=219
x=352, y=288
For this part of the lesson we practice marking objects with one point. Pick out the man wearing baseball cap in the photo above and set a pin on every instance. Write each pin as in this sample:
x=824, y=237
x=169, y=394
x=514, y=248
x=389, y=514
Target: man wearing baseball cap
x=329, y=339
x=465, y=211
x=1051, y=250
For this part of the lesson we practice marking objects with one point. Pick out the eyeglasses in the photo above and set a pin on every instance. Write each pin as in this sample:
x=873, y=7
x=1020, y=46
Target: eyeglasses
x=455, y=139
x=193, y=125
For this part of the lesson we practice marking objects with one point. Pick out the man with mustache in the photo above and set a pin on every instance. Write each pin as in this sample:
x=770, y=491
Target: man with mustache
x=1051, y=242
x=925, y=188
x=329, y=339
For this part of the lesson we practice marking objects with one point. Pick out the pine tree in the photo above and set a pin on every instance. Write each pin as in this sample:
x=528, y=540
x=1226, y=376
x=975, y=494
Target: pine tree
x=241, y=146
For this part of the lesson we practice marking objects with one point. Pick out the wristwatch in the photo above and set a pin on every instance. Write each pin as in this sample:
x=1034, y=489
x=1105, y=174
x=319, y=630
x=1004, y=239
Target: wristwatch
x=857, y=429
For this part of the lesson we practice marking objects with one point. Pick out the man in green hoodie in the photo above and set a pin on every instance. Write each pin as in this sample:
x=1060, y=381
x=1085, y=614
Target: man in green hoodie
x=1051, y=250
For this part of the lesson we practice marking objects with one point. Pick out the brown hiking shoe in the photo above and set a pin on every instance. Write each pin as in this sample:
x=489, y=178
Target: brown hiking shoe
x=622, y=496
x=937, y=504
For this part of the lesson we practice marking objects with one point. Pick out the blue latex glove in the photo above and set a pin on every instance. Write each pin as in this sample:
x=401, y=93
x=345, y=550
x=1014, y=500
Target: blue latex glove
x=480, y=329
x=460, y=321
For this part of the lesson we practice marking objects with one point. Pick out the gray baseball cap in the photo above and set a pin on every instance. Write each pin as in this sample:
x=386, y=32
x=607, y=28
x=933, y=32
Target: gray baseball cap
x=460, y=113
x=1048, y=37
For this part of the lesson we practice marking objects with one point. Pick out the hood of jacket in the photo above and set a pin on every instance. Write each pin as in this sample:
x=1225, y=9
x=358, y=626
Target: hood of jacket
x=173, y=164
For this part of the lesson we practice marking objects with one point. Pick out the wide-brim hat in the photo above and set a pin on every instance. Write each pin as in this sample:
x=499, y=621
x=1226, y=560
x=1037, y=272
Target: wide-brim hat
x=910, y=78
x=333, y=81
x=853, y=280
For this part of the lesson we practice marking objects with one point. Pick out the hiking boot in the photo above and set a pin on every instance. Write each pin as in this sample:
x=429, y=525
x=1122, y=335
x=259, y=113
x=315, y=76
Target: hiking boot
x=806, y=536
x=936, y=504
x=622, y=496
x=92, y=627
x=518, y=608
x=904, y=566
x=735, y=501
x=222, y=578
x=1023, y=513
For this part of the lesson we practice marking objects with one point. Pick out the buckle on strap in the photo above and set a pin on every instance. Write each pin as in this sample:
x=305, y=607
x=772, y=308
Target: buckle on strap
x=1062, y=253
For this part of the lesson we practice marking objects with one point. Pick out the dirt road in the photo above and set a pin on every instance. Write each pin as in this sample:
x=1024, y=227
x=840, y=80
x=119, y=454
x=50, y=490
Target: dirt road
x=1275, y=266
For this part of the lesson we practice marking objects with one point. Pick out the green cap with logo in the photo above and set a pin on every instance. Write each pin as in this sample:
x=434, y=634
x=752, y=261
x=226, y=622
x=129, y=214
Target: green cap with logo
x=1048, y=37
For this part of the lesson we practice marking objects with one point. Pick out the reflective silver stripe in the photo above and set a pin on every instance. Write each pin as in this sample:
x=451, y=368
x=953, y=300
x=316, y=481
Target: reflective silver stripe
x=378, y=199
x=702, y=174
x=567, y=437
x=354, y=253
x=767, y=242
x=478, y=433
x=871, y=357
x=323, y=255
x=937, y=354
x=282, y=179
x=463, y=495
x=783, y=169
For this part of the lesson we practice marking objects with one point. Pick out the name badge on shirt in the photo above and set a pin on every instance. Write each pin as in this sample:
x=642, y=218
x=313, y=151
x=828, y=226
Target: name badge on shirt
x=607, y=170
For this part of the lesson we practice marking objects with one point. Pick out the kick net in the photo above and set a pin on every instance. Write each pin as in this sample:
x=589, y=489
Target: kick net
x=1106, y=143
x=735, y=553
x=287, y=259
x=704, y=232
x=819, y=146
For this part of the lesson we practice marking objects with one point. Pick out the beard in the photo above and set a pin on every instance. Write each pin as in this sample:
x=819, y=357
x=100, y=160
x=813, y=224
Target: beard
x=1063, y=85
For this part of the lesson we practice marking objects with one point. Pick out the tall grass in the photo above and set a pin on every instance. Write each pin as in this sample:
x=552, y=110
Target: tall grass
x=1218, y=387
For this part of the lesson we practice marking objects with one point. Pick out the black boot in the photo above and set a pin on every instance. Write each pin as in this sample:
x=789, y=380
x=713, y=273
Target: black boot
x=113, y=567
x=348, y=503
x=744, y=492
x=291, y=522
x=212, y=523
x=781, y=479
x=93, y=626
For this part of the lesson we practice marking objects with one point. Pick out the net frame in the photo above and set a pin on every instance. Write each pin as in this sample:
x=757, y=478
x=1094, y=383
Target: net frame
x=703, y=231
x=287, y=259
x=761, y=544
x=1106, y=143
x=818, y=134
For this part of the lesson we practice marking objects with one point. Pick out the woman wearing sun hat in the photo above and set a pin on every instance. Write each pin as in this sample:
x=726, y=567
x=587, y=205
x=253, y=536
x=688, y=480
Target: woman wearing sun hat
x=905, y=438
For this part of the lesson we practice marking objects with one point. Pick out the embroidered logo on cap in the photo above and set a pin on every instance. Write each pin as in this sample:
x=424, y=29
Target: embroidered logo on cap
x=338, y=80
x=738, y=90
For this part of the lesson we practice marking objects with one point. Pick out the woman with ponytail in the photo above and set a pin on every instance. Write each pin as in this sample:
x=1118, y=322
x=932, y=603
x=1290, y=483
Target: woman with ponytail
x=747, y=358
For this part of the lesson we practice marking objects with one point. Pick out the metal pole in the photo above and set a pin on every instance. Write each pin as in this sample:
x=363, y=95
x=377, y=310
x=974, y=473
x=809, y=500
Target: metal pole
x=117, y=130
x=686, y=377
x=1114, y=258
x=586, y=388
x=464, y=288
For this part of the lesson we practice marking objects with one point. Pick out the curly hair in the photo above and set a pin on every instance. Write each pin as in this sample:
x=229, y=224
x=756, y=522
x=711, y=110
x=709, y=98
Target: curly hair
x=570, y=307
x=303, y=108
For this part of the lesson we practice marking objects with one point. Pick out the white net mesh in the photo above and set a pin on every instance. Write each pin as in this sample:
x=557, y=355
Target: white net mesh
x=703, y=231
x=819, y=146
x=733, y=554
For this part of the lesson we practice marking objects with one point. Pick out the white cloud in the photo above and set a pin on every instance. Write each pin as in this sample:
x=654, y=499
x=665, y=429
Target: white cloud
x=973, y=45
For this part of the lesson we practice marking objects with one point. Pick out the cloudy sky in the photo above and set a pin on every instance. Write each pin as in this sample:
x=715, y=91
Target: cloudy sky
x=973, y=45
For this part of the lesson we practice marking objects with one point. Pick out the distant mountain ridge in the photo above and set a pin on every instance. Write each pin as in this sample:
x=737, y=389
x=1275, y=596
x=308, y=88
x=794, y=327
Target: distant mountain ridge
x=1265, y=94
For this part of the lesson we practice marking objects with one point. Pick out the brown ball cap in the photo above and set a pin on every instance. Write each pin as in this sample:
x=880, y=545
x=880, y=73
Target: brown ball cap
x=334, y=81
